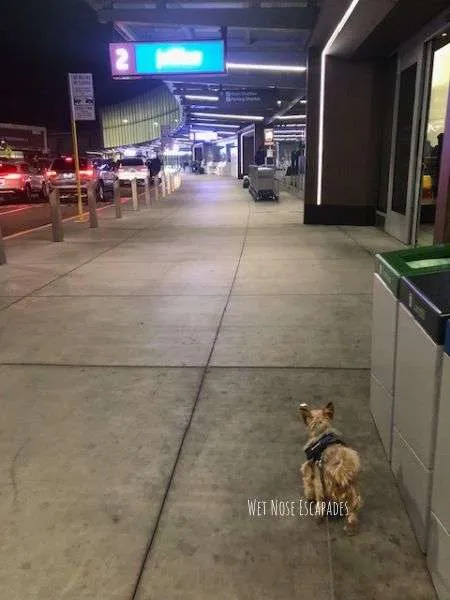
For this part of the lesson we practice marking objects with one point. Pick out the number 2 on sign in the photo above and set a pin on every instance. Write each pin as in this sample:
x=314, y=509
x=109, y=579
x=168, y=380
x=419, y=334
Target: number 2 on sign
x=122, y=59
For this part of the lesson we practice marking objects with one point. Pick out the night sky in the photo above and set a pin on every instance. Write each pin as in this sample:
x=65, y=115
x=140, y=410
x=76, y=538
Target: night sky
x=40, y=42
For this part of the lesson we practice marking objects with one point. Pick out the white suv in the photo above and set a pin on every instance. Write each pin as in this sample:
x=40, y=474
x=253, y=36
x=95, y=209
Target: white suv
x=132, y=168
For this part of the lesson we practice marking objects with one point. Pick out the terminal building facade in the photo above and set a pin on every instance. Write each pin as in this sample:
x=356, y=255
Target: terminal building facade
x=365, y=84
x=378, y=133
x=140, y=120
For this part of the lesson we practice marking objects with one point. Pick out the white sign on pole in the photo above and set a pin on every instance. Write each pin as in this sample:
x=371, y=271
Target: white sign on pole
x=82, y=96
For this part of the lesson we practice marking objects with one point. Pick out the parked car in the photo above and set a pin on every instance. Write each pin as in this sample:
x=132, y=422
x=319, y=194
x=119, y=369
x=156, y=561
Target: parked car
x=61, y=175
x=107, y=172
x=21, y=180
x=132, y=168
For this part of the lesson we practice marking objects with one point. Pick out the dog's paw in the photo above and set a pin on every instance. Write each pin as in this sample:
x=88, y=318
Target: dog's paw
x=351, y=529
x=319, y=519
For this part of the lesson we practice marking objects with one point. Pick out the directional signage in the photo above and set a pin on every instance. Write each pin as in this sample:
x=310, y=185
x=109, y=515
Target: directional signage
x=81, y=90
x=247, y=101
x=141, y=59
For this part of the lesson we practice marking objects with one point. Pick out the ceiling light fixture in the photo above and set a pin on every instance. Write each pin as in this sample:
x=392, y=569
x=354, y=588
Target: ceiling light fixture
x=290, y=117
x=206, y=98
x=340, y=26
x=226, y=116
x=256, y=67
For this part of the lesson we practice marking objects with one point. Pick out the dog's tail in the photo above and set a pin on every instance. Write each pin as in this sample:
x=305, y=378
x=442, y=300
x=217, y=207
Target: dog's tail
x=344, y=470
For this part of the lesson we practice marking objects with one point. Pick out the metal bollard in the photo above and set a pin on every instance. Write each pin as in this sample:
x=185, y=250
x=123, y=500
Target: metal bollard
x=92, y=204
x=134, y=194
x=148, y=200
x=2, y=249
x=163, y=185
x=156, y=185
x=55, y=209
x=117, y=199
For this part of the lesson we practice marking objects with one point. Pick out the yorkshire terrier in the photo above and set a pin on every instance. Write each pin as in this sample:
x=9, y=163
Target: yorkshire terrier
x=330, y=473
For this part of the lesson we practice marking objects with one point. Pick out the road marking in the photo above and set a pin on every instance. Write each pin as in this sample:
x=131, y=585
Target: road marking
x=25, y=231
x=15, y=210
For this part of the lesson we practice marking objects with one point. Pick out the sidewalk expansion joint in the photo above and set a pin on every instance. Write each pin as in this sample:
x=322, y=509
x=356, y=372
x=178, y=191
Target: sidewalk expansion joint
x=83, y=264
x=147, y=552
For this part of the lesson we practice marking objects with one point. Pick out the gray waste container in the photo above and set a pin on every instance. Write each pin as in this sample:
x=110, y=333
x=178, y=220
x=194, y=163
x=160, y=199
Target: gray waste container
x=438, y=558
x=390, y=267
x=423, y=312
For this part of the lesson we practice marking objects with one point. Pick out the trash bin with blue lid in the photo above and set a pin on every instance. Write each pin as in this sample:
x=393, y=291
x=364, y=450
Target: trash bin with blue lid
x=422, y=320
x=390, y=268
x=438, y=557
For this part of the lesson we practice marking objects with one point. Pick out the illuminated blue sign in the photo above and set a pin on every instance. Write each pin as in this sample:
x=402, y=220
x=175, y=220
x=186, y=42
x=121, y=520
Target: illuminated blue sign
x=167, y=58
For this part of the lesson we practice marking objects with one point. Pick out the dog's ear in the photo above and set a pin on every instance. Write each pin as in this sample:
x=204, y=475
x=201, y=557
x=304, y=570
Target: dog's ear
x=305, y=412
x=328, y=411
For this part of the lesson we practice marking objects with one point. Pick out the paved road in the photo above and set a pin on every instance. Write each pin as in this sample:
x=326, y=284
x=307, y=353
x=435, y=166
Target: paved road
x=17, y=218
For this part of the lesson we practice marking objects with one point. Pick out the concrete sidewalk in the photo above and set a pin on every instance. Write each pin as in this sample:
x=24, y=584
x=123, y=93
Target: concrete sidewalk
x=151, y=372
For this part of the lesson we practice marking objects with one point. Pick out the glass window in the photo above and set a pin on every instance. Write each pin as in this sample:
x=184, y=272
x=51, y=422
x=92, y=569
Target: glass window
x=403, y=141
x=131, y=162
x=68, y=164
x=434, y=137
x=436, y=115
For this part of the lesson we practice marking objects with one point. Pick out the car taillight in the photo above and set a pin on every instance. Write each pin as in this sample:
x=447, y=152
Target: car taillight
x=51, y=173
x=13, y=176
x=87, y=172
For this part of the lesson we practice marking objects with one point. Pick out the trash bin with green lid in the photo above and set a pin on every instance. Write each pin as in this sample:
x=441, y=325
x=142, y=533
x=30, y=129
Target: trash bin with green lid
x=438, y=554
x=422, y=318
x=390, y=268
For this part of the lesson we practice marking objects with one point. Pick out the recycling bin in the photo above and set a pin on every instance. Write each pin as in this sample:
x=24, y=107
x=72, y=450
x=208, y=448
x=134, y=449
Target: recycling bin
x=390, y=267
x=422, y=315
x=438, y=557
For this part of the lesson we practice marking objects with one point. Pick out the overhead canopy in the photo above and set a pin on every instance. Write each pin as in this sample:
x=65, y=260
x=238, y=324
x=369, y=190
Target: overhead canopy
x=266, y=44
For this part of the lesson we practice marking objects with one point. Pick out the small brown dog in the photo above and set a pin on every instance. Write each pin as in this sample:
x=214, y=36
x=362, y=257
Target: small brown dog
x=330, y=474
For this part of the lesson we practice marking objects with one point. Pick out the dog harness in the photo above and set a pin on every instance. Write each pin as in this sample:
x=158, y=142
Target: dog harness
x=315, y=450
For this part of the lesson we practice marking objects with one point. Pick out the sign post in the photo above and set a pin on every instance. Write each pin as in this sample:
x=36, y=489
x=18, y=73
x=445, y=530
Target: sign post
x=82, y=108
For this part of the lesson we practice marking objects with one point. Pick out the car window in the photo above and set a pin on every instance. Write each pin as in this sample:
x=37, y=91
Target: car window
x=25, y=168
x=68, y=164
x=131, y=162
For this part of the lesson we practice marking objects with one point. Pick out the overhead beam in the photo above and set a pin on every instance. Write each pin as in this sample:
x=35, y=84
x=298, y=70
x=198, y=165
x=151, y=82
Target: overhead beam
x=241, y=18
x=296, y=81
x=123, y=30
x=287, y=108
x=280, y=57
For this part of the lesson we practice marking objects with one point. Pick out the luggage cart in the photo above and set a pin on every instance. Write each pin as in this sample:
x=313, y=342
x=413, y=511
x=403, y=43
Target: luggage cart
x=263, y=184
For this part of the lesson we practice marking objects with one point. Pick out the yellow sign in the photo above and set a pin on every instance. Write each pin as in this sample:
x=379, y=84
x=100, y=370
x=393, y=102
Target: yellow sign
x=5, y=151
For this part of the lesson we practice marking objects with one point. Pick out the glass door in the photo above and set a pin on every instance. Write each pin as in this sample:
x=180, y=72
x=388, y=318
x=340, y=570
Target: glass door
x=404, y=154
x=438, y=78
